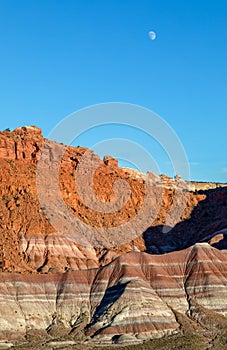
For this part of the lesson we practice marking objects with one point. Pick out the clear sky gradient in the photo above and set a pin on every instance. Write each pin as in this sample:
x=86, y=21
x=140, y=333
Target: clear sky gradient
x=58, y=56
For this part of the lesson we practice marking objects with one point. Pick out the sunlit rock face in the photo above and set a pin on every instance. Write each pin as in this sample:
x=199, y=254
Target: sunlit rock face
x=125, y=285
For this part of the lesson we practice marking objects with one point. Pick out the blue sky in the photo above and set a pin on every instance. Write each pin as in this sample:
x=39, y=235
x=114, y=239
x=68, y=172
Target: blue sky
x=59, y=56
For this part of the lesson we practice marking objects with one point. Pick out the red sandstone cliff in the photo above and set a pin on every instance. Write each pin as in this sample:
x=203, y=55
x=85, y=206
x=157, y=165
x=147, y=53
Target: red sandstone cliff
x=87, y=273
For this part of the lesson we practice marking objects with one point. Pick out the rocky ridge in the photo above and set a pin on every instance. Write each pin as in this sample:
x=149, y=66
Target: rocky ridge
x=53, y=283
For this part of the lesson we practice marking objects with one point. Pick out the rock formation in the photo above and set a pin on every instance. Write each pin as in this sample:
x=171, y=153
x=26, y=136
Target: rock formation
x=113, y=263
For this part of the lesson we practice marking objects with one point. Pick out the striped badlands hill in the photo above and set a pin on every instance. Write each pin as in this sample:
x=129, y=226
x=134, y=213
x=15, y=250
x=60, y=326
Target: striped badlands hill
x=136, y=295
x=84, y=257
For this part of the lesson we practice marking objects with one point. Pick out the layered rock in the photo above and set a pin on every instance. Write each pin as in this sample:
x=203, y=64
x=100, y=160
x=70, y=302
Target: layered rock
x=141, y=290
x=137, y=294
x=74, y=252
x=67, y=233
x=38, y=302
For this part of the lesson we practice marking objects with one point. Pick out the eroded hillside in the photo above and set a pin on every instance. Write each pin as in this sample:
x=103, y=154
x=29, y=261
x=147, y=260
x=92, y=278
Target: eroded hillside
x=93, y=252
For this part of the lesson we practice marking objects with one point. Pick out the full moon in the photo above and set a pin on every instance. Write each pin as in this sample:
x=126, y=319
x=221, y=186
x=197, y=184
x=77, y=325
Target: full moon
x=152, y=35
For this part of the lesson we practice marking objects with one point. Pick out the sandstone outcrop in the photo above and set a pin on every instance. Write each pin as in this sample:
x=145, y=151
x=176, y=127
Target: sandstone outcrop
x=104, y=251
x=30, y=243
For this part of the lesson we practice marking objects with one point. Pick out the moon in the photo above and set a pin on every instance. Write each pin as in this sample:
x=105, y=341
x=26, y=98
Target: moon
x=152, y=35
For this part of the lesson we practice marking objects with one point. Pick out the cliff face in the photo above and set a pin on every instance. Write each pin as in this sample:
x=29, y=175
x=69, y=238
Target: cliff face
x=78, y=263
